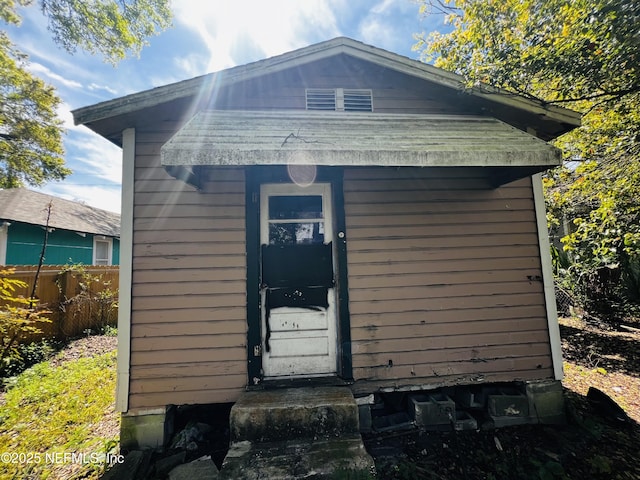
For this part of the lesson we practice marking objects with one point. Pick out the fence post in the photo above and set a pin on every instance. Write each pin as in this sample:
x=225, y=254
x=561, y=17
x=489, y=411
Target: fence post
x=65, y=294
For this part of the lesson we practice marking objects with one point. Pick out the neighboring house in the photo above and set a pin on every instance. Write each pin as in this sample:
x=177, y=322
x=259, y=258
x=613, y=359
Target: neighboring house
x=337, y=212
x=77, y=233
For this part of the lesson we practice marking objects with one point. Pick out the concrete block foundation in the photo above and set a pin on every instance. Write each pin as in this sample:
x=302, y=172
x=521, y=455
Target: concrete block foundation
x=145, y=430
x=464, y=421
x=508, y=407
x=432, y=409
x=546, y=402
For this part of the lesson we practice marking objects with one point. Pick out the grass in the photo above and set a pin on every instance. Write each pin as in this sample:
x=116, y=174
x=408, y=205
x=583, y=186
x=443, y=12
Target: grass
x=51, y=411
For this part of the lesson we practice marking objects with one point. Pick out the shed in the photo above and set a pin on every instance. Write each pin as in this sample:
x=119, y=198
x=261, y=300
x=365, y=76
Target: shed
x=78, y=233
x=338, y=213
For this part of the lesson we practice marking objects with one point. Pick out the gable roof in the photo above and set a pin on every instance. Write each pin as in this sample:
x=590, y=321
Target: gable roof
x=111, y=117
x=27, y=206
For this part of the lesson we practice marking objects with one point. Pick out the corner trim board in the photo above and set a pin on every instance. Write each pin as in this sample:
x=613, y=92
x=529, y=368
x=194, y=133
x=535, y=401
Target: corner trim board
x=547, y=276
x=126, y=267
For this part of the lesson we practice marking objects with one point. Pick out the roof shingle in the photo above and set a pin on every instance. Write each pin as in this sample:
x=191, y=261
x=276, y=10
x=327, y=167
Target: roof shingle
x=27, y=206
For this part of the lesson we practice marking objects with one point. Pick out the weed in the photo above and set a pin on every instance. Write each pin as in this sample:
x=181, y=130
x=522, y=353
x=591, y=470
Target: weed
x=50, y=410
x=19, y=318
x=349, y=474
x=29, y=354
x=109, y=331
x=549, y=470
x=94, y=299
x=600, y=464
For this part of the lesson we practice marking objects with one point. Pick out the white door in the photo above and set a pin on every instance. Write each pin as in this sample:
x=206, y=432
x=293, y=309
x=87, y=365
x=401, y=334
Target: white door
x=297, y=291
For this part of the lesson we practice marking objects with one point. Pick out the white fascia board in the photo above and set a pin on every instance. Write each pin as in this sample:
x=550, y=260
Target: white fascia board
x=126, y=266
x=547, y=277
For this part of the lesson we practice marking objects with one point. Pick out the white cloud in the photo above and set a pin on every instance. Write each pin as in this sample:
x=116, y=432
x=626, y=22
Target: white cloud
x=95, y=86
x=64, y=114
x=271, y=27
x=383, y=6
x=97, y=171
x=390, y=24
x=106, y=198
x=94, y=155
x=40, y=70
x=375, y=32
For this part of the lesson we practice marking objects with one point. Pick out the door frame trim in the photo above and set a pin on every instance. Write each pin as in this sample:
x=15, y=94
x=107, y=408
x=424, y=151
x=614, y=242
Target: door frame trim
x=317, y=189
x=254, y=177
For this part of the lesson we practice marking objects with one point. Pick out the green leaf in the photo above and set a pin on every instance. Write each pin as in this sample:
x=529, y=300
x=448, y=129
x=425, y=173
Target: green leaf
x=31, y=151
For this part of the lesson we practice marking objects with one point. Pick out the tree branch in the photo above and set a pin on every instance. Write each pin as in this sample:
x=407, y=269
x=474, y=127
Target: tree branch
x=614, y=94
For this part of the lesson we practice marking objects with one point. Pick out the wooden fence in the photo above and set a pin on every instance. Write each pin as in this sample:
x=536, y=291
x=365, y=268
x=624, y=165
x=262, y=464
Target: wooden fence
x=79, y=299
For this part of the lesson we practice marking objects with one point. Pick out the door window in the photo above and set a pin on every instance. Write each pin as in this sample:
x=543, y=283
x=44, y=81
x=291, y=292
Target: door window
x=296, y=220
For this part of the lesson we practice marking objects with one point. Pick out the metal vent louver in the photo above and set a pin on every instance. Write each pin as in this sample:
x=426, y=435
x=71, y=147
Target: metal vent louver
x=357, y=101
x=321, y=99
x=339, y=99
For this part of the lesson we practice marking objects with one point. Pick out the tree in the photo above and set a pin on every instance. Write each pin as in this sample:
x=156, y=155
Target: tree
x=583, y=54
x=31, y=149
x=30, y=132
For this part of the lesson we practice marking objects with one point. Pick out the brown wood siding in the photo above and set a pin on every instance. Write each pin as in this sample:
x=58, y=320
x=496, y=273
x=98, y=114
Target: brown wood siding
x=188, y=332
x=393, y=92
x=444, y=279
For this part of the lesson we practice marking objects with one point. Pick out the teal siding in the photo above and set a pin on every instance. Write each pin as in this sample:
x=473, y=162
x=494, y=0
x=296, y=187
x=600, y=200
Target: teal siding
x=116, y=252
x=24, y=244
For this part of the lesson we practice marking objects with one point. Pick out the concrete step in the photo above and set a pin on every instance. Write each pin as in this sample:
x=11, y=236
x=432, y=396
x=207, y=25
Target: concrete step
x=343, y=457
x=294, y=413
x=293, y=433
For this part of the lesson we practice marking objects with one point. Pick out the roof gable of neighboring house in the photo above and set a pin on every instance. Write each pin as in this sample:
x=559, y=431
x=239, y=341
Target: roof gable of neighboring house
x=180, y=101
x=27, y=206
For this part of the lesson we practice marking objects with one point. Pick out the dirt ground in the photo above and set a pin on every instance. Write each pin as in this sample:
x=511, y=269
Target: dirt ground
x=91, y=346
x=593, y=444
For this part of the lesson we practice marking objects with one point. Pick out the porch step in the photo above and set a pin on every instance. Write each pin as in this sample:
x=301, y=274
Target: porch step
x=292, y=433
x=294, y=413
x=295, y=459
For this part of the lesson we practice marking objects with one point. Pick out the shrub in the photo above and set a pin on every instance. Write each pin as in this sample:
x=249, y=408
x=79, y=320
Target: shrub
x=94, y=299
x=19, y=318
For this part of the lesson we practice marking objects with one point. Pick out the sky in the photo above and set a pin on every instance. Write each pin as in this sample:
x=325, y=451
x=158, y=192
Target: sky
x=206, y=36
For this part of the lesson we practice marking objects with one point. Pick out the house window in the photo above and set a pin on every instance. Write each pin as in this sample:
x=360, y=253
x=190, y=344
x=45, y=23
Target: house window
x=102, y=247
x=339, y=99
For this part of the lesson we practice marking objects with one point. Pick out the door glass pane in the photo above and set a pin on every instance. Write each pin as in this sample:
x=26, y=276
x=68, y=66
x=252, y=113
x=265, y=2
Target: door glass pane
x=296, y=233
x=295, y=207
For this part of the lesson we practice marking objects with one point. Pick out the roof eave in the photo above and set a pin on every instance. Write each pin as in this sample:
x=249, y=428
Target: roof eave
x=331, y=139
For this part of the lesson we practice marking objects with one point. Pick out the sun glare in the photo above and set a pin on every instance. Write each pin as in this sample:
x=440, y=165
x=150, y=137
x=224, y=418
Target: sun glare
x=242, y=31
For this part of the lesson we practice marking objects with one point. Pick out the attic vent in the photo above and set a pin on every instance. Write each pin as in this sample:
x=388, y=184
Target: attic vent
x=339, y=100
x=321, y=99
x=357, y=101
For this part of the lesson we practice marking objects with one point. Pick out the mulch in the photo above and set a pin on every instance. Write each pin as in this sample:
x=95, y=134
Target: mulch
x=592, y=445
x=87, y=347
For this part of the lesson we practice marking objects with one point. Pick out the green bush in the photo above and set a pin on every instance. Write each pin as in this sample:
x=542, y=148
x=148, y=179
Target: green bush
x=19, y=318
x=27, y=355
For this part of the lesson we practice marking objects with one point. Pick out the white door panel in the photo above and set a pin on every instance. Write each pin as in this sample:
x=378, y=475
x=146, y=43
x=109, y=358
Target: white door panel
x=297, y=340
